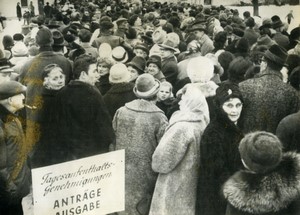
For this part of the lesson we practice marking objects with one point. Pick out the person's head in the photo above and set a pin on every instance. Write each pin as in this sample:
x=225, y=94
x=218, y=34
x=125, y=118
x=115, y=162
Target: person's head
x=193, y=100
x=119, y=54
x=7, y=42
x=58, y=41
x=294, y=78
x=246, y=14
x=165, y=91
x=200, y=69
x=136, y=67
x=54, y=77
x=153, y=65
x=237, y=69
x=122, y=23
x=103, y=65
x=141, y=50
x=198, y=30
x=274, y=58
x=85, y=69
x=146, y=87
x=12, y=95
x=84, y=35
x=260, y=151
x=44, y=37
x=119, y=74
x=230, y=100
x=5, y=70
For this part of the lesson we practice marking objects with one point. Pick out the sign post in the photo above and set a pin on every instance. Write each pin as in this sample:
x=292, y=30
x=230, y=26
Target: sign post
x=88, y=186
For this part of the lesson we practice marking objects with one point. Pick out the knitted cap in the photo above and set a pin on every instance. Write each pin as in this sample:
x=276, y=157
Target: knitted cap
x=261, y=151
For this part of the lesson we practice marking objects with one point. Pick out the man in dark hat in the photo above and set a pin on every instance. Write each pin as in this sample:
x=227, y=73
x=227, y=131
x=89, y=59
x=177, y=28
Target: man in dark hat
x=31, y=76
x=267, y=100
x=106, y=36
x=199, y=30
x=279, y=37
x=14, y=171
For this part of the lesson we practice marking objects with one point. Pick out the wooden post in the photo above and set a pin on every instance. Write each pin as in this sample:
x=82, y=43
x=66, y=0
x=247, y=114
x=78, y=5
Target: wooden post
x=255, y=7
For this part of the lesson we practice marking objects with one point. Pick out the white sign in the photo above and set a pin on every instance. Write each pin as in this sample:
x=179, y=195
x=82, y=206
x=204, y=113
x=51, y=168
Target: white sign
x=88, y=186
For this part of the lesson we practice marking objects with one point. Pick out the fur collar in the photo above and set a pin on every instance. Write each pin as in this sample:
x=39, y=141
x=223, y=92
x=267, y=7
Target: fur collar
x=142, y=105
x=253, y=193
x=182, y=116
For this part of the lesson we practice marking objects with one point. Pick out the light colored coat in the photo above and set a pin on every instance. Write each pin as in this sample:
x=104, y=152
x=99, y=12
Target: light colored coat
x=139, y=125
x=177, y=160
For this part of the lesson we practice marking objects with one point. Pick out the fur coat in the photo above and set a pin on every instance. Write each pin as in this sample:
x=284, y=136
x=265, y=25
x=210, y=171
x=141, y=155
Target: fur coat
x=176, y=159
x=274, y=193
x=139, y=125
x=219, y=159
x=267, y=100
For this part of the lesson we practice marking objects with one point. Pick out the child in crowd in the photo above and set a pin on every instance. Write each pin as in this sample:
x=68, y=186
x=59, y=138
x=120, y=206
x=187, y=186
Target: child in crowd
x=165, y=97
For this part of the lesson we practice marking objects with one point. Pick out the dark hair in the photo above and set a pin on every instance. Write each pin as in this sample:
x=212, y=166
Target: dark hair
x=220, y=40
x=82, y=64
x=84, y=35
x=237, y=69
x=225, y=59
x=49, y=68
x=246, y=14
x=132, y=19
x=294, y=78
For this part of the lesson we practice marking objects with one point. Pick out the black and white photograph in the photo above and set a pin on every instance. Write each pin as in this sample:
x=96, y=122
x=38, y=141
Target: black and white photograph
x=149, y=107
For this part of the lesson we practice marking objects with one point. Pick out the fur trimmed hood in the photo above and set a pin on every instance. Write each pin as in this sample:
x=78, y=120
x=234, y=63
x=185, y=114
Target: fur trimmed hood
x=272, y=192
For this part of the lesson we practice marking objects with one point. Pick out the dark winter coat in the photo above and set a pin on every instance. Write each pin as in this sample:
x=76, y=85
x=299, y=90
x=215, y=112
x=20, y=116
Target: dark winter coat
x=118, y=96
x=103, y=85
x=31, y=76
x=45, y=150
x=139, y=126
x=219, y=159
x=84, y=121
x=13, y=160
x=166, y=106
x=288, y=131
x=267, y=100
x=19, y=11
x=170, y=70
x=274, y=193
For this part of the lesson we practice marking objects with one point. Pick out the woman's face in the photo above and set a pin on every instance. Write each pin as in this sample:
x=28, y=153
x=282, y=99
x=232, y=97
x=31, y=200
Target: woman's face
x=164, y=93
x=55, y=79
x=103, y=69
x=152, y=69
x=133, y=73
x=233, y=108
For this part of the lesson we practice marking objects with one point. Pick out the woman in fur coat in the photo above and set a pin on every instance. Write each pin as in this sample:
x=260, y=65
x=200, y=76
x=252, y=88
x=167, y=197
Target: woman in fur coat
x=219, y=156
x=139, y=125
x=177, y=156
x=270, y=185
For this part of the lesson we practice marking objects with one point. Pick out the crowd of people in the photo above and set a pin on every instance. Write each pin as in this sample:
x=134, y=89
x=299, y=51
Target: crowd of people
x=204, y=100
